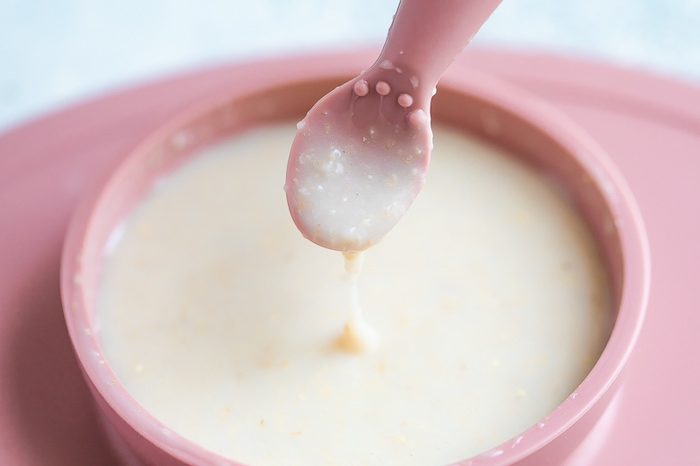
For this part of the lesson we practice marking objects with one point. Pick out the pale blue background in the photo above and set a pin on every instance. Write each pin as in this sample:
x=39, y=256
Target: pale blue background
x=55, y=53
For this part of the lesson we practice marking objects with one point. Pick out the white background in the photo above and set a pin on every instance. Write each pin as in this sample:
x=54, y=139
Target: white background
x=55, y=53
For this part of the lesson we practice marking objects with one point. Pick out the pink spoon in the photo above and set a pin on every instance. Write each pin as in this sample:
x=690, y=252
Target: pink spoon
x=361, y=154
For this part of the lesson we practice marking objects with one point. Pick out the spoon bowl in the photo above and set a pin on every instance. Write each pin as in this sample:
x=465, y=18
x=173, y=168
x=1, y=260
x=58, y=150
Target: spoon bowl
x=351, y=178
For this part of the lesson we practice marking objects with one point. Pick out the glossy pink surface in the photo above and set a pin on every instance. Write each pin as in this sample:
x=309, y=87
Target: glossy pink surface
x=45, y=413
x=423, y=40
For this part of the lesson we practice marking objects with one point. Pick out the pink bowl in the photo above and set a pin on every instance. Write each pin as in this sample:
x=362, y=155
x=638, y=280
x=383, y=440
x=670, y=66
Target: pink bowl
x=285, y=89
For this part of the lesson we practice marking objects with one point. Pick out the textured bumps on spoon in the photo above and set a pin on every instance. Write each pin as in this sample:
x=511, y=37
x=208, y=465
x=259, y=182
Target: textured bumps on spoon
x=353, y=174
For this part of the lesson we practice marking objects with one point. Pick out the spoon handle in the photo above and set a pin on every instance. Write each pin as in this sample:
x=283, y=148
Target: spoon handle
x=427, y=35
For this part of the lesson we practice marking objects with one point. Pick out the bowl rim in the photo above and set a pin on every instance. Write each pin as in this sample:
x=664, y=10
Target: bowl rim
x=268, y=75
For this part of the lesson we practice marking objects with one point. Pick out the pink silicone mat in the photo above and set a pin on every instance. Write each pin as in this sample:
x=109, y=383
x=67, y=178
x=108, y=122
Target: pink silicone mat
x=649, y=125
